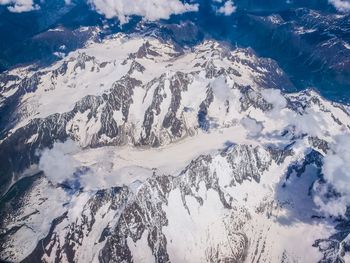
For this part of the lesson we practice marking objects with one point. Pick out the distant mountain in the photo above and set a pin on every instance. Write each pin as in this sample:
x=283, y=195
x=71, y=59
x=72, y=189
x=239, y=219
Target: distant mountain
x=308, y=39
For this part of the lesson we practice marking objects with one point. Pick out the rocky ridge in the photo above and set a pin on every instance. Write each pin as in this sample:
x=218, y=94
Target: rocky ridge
x=231, y=203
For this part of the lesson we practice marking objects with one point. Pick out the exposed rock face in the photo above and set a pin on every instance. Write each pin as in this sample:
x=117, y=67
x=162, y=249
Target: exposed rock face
x=247, y=186
x=132, y=215
x=255, y=164
x=161, y=102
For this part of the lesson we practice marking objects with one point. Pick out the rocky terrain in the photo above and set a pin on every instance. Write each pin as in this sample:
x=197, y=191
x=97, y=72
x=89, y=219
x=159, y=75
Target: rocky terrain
x=136, y=150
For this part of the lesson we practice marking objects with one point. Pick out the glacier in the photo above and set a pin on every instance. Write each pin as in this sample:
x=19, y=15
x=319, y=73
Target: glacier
x=133, y=149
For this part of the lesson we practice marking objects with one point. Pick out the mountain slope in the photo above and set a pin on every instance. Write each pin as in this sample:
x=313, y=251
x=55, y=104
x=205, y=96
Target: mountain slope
x=135, y=150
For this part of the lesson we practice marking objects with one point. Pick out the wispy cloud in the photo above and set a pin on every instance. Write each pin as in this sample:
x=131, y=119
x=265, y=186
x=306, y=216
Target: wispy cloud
x=57, y=162
x=19, y=6
x=148, y=9
x=341, y=5
x=253, y=127
x=227, y=9
x=333, y=196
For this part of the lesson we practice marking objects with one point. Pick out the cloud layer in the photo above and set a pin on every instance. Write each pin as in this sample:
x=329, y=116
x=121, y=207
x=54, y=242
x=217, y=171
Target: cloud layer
x=341, y=5
x=148, y=9
x=333, y=196
x=19, y=6
x=57, y=163
x=227, y=9
x=122, y=9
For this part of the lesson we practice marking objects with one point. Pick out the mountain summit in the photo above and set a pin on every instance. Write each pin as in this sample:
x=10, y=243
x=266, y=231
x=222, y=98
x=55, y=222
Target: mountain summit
x=133, y=149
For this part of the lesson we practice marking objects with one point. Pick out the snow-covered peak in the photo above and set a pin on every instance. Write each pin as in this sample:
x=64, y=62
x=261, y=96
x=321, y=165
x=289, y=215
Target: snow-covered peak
x=146, y=144
x=95, y=69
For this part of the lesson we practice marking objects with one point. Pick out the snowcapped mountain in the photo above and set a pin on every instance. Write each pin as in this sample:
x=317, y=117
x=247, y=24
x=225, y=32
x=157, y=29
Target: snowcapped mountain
x=134, y=149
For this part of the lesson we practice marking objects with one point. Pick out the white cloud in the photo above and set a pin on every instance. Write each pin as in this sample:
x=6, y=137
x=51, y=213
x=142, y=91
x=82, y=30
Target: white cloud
x=310, y=122
x=274, y=97
x=19, y=6
x=341, y=5
x=220, y=89
x=336, y=171
x=57, y=163
x=60, y=165
x=253, y=127
x=148, y=9
x=227, y=9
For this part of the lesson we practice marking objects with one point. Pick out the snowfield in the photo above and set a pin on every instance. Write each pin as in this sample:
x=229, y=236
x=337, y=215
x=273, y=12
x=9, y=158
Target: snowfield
x=135, y=151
